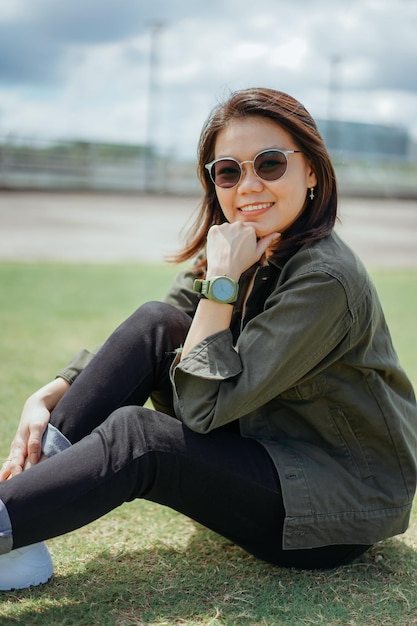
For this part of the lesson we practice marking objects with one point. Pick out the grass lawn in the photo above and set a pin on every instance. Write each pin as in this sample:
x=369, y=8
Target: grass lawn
x=144, y=564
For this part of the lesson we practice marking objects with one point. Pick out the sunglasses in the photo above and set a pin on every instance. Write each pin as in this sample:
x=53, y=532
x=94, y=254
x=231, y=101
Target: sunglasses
x=268, y=165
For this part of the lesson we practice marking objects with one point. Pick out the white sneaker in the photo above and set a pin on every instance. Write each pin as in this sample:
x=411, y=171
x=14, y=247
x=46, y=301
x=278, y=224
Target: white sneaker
x=24, y=567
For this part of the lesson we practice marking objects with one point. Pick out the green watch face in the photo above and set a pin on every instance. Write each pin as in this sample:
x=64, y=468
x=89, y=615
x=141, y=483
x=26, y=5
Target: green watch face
x=222, y=289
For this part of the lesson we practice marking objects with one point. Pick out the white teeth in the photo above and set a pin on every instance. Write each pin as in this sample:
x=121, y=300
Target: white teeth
x=255, y=207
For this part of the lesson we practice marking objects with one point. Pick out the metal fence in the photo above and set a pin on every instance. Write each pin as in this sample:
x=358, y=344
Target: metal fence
x=91, y=167
x=85, y=166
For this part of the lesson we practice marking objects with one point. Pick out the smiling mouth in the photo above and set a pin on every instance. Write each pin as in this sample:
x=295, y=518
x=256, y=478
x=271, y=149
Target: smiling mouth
x=252, y=208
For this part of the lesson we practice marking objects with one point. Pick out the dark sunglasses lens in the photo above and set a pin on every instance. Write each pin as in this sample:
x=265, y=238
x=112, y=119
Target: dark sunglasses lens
x=271, y=164
x=225, y=173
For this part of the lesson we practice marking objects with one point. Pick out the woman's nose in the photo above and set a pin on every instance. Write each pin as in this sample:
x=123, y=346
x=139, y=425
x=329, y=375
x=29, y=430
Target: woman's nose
x=249, y=180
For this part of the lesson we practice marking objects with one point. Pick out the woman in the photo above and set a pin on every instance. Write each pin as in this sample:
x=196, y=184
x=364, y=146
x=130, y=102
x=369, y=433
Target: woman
x=283, y=419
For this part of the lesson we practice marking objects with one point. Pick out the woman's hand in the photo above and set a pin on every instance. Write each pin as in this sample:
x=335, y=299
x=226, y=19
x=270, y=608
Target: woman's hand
x=233, y=248
x=26, y=445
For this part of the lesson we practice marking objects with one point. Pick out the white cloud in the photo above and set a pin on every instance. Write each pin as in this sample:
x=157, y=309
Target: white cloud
x=290, y=54
x=249, y=51
x=355, y=71
x=94, y=82
x=11, y=9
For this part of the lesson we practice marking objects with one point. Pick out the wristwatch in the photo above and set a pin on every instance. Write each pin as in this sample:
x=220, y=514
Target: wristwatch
x=219, y=288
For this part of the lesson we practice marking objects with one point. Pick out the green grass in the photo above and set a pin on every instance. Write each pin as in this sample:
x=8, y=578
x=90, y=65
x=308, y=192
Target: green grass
x=144, y=564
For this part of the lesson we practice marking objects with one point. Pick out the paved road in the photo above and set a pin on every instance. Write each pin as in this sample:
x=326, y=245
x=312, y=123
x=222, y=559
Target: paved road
x=109, y=228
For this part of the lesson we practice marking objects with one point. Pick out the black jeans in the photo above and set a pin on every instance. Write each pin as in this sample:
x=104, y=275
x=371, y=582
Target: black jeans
x=123, y=451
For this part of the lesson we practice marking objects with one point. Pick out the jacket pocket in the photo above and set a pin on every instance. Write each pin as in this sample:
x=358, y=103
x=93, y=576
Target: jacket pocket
x=349, y=445
x=306, y=390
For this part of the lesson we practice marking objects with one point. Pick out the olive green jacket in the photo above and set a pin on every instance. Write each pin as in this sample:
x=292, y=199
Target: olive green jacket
x=309, y=371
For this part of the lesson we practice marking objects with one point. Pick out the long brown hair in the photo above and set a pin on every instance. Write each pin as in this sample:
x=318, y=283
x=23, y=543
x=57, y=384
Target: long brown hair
x=312, y=224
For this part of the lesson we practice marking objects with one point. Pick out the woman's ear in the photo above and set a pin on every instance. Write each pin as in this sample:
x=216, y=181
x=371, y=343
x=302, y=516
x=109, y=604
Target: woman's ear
x=311, y=177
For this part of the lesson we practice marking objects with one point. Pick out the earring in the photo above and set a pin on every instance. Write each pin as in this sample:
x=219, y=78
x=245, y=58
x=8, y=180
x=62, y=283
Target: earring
x=311, y=193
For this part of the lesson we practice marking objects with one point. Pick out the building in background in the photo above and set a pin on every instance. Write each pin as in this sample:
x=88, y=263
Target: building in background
x=357, y=140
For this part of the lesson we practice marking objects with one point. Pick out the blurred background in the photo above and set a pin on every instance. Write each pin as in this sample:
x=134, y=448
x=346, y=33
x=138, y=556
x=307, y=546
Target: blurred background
x=110, y=95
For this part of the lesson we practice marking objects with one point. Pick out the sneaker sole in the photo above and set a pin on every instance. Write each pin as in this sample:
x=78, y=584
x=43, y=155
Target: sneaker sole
x=43, y=581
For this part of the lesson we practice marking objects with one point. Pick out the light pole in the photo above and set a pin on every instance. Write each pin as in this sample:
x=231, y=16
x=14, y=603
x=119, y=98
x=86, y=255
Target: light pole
x=151, y=119
x=333, y=102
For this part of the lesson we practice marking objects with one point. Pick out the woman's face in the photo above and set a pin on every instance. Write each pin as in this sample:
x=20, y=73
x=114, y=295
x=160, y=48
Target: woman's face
x=269, y=206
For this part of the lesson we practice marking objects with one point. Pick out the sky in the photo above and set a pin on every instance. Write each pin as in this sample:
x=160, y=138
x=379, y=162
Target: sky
x=81, y=69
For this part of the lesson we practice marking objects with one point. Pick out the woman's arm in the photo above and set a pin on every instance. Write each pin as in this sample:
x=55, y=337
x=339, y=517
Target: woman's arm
x=231, y=249
x=26, y=445
x=306, y=322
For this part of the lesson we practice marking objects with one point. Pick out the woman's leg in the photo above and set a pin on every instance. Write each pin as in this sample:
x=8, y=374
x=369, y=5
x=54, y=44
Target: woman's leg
x=222, y=480
x=140, y=453
x=130, y=367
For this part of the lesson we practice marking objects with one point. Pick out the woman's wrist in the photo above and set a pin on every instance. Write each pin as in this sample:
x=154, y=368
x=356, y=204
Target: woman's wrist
x=230, y=273
x=49, y=395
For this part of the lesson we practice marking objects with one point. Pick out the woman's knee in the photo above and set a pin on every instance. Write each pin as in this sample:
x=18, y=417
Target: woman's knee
x=155, y=320
x=161, y=313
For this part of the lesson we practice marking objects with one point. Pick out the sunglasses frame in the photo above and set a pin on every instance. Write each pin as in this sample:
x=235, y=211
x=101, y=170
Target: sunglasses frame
x=209, y=166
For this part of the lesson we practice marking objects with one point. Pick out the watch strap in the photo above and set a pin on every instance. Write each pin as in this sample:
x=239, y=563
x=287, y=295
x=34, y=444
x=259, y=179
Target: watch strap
x=204, y=288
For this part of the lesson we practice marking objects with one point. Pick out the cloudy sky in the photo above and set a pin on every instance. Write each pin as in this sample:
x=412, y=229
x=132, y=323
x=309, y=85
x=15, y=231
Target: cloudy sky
x=81, y=68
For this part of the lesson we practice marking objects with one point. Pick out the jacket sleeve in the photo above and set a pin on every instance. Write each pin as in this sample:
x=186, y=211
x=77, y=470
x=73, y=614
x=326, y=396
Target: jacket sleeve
x=78, y=362
x=304, y=324
x=181, y=294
